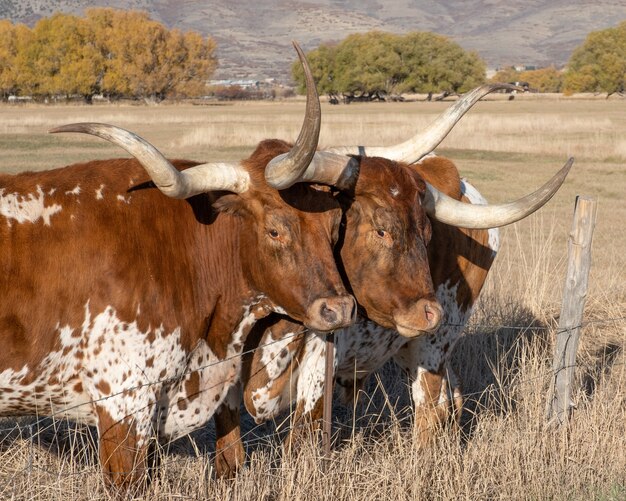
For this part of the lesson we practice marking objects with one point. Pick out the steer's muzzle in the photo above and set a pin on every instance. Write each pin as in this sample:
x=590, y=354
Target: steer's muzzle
x=330, y=313
x=424, y=317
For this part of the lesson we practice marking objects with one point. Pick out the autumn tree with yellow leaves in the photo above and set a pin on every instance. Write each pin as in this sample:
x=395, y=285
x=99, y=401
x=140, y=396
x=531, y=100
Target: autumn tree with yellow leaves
x=599, y=63
x=111, y=52
x=13, y=40
x=541, y=80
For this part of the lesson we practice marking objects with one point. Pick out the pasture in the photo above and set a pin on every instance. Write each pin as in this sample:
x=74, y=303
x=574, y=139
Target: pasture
x=505, y=450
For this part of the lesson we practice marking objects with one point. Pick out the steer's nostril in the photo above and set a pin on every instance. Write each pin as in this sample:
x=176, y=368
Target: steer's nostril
x=433, y=314
x=353, y=311
x=328, y=314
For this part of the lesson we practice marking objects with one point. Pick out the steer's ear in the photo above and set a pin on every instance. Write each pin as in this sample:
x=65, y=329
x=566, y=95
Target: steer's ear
x=230, y=204
x=420, y=184
x=441, y=173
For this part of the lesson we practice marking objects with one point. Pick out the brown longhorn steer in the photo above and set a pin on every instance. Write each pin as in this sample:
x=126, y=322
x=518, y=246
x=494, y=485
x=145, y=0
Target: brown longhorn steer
x=382, y=248
x=127, y=309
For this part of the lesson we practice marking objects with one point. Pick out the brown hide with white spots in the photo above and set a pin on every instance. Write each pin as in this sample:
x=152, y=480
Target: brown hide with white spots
x=459, y=260
x=113, y=292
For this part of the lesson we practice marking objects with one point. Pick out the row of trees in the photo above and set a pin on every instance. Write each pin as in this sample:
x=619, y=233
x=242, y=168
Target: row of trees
x=597, y=65
x=111, y=52
x=126, y=54
x=378, y=63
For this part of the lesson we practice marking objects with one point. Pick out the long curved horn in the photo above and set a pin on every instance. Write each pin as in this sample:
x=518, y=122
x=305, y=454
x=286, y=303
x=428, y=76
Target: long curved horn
x=447, y=210
x=171, y=181
x=286, y=170
x=425, y=141
x=340, y=171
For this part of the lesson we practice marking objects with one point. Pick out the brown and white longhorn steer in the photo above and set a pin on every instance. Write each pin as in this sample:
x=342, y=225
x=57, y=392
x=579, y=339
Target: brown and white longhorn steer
x=288, y=364
x=127, y=309
x=387, y=246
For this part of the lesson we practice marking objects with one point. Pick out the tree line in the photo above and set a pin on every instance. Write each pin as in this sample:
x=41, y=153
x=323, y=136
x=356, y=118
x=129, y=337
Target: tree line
x=376, y=64
x=114, y=53
x=125, y=54
x=598, y=65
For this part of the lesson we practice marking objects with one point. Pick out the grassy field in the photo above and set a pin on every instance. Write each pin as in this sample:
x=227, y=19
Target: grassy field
x=505, y=451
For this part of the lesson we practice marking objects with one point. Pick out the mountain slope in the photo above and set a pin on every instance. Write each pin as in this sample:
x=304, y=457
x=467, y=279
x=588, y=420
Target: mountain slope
x=255, y=37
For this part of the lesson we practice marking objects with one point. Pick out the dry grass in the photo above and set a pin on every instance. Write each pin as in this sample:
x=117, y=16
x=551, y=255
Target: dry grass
x=505, y=451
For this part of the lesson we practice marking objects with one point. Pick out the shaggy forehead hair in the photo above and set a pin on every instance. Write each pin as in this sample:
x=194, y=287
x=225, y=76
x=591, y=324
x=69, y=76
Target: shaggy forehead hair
x=382, y=179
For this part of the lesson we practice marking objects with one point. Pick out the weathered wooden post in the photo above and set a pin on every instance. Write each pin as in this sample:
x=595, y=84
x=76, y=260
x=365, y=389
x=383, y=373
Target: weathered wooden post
x=559, y=405
x=327, y=416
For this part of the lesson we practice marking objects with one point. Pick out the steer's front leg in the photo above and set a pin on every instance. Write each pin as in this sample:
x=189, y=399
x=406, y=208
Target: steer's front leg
x=435, y=387
x=125, y=452
x=229, y=452
x=309, y=408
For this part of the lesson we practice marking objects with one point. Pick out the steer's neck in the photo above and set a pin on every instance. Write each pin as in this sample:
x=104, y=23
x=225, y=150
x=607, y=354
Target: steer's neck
x=225, y=299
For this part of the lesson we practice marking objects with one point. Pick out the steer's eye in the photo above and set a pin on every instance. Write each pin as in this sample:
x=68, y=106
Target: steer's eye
x=381, y=233
x=273, y=233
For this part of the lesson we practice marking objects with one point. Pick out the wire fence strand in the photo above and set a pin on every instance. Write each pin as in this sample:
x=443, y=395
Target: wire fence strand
x=34, y=430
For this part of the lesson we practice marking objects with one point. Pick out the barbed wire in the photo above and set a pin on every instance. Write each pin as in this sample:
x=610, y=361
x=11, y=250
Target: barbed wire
x=269, y=439
x=476, y=327
x=557, y=330
x=303, y=330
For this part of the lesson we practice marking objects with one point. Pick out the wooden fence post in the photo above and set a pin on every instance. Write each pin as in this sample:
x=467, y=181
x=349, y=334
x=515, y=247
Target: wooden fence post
x=327, y=418
x=559, y=404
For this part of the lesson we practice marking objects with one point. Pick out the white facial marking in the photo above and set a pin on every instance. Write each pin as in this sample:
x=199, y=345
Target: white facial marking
x=395, y=191
x=75, y=191
x=28, y=208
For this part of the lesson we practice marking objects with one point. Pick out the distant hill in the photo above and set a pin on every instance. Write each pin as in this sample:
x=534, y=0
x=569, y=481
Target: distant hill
x=255, y=37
